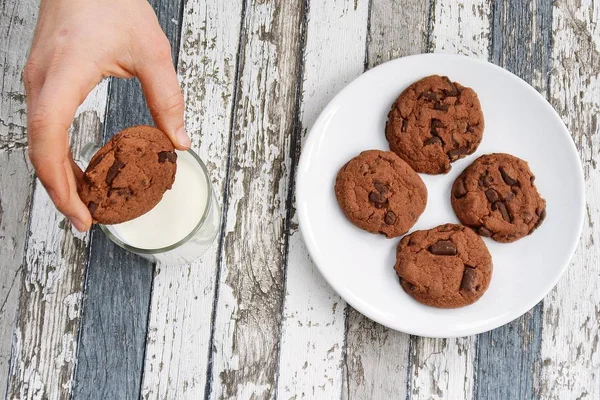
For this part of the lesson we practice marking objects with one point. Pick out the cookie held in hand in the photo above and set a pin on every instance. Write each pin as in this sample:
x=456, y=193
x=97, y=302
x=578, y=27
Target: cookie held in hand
x=129, y=175
x=380, y=193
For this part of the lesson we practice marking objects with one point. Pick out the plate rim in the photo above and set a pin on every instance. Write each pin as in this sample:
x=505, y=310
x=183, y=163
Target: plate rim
x=309, y=143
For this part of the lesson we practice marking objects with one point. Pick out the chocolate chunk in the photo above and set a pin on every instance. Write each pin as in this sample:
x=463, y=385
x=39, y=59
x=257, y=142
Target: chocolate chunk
x=95, y=161
x=468, y=128
x=452, y=92
x=113, y=171
x=532, y=179
x=432, y=96
x=87, y=180
x=483, y=231
x=486, y=180
x=92, y=207
x=432, y=140
x=509, y=197
x=460, y=190
x=378, y=200
x=443, y=248
x=170, y=156
x=381, y=188
x=542, y=216
x=457, y=153
x=404, y=125
x=468, y=282
x=492, y=195
x=440, y=106
x=509, y=180
x=390, y=218
x=541, y=213
x=435, y=123
x=125, y=192
x=501, y=206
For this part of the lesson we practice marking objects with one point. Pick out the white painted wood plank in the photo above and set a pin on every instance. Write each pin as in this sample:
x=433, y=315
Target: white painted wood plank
x=251, y=287
x=378, y=358
x=313, y=331
x=462, y=27
x=16, y=178
x=17, y=20
x=444, y=368
x=182, y=297
x=51, y=289
x=570, y=354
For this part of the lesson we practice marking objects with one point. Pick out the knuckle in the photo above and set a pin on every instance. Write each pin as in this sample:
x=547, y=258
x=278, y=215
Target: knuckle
x=30, y=73
x=172, y=103
x=160, y=50
x=38, y=121
x=65, y=41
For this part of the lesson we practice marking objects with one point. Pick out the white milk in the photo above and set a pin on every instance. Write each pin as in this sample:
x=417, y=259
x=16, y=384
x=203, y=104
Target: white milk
x=177, y=214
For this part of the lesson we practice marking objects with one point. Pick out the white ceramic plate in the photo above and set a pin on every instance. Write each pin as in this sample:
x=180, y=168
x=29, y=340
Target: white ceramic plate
x=359, y=265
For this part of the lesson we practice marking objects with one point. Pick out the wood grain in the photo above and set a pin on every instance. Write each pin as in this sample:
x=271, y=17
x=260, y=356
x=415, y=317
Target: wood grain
x=17, y=20
x=313, y=332
x=377, y=360
x=521, y=44
x=397, y=29
x=444, y=368
x=51, y=289
x=570, y=359
x=118, y=283
x=183, y=296
x=377, y=357
x=16, y=178
x=251, y=285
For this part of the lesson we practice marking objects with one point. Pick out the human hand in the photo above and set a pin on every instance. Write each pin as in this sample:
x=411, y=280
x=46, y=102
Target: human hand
x=75, y=45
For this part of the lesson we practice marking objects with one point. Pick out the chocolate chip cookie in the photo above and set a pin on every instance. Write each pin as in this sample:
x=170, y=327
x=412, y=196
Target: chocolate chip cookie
x=129, y=175
x=497, y=197
x=435, y=122
x=446, y=267
x=380, y=193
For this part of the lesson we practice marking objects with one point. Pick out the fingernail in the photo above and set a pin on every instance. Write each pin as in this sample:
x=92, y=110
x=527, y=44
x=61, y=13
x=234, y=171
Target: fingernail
x=79, y=225
x=183, y=138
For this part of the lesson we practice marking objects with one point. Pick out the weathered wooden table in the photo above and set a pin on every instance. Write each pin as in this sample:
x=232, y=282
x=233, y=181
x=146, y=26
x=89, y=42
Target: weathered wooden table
x=253, y=319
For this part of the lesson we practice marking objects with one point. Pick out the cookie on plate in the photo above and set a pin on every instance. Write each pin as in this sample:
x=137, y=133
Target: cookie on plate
x=497, y=197
x=380, y=193
x=445, y=267
x=435, y=122
x=129, y=175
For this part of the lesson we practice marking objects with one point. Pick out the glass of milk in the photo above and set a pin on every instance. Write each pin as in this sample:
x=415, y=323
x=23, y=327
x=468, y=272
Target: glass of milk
x=182, y=226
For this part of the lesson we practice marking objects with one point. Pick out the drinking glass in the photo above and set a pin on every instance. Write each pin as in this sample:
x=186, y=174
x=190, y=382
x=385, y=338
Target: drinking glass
x=196, y=242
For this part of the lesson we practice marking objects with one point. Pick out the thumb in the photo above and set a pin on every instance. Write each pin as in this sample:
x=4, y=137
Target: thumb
x=165, y=100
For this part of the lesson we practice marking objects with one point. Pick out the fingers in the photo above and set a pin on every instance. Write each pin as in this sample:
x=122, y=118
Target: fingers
x=159, y=83
x=50, y=114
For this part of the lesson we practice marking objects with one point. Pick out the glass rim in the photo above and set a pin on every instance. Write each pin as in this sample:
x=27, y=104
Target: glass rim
x=113, y=238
